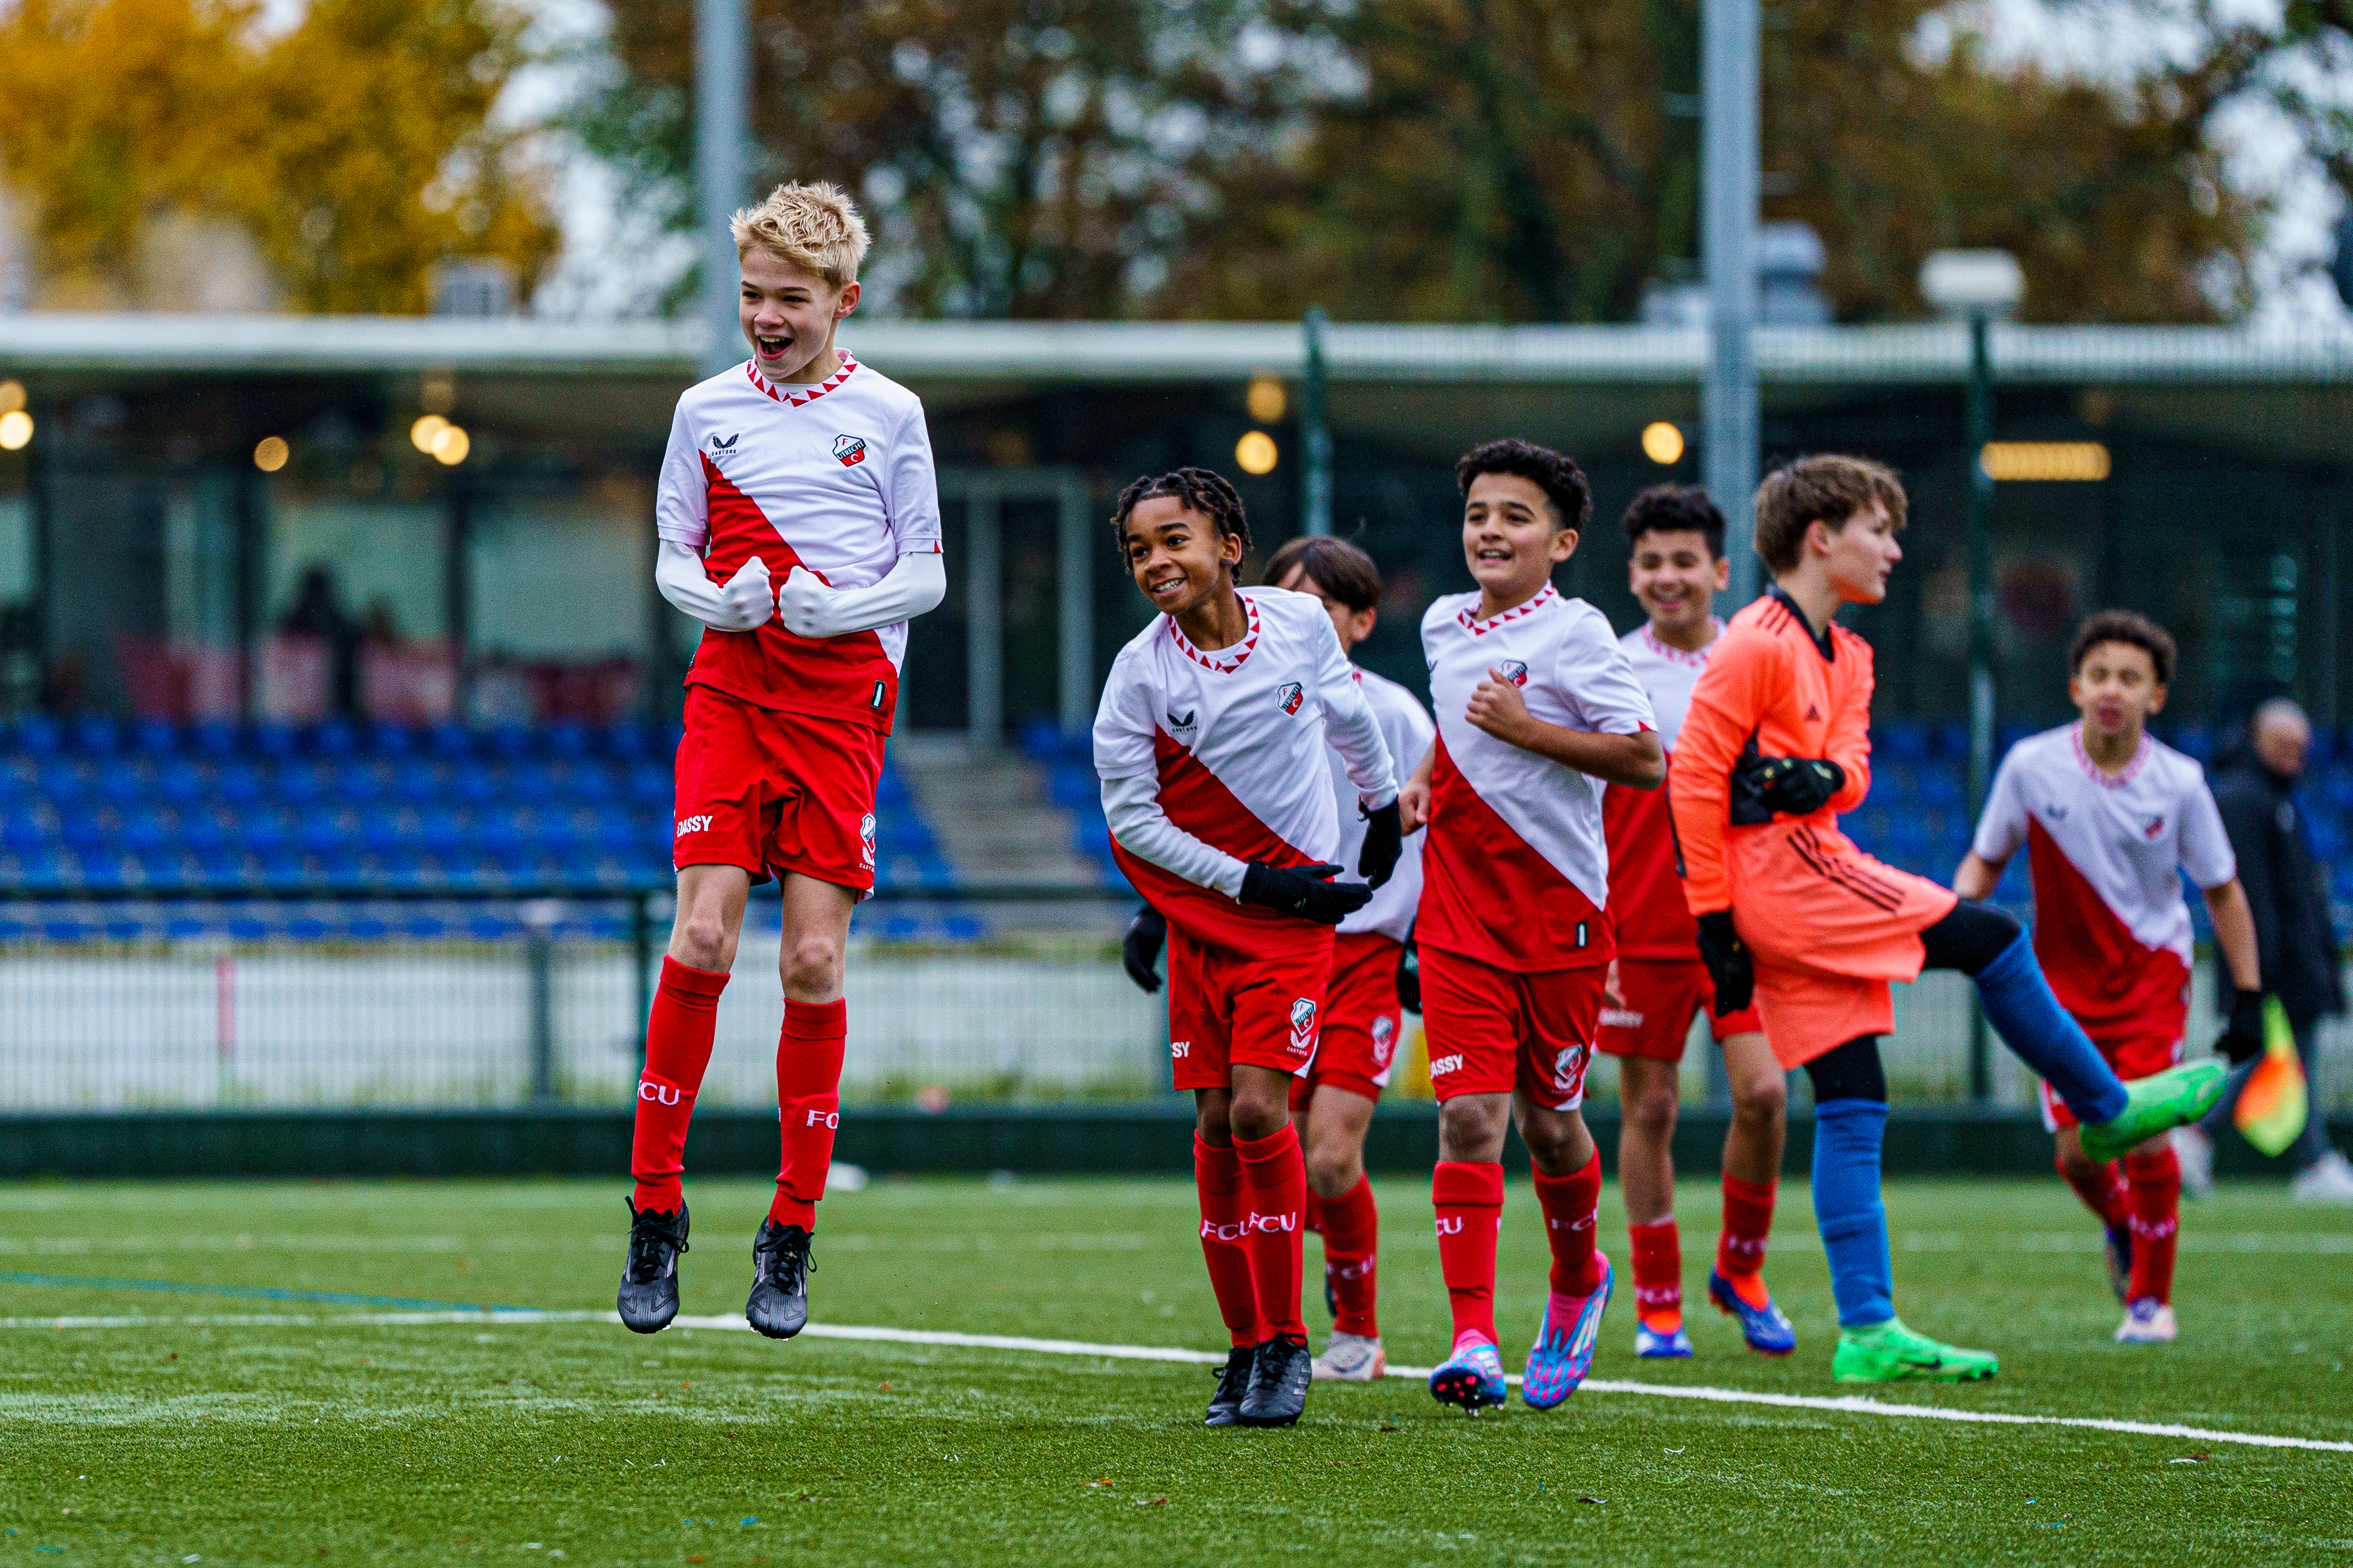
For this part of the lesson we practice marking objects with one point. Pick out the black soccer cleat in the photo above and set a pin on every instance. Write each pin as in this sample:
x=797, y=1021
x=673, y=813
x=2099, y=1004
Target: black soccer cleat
x=1279, y=1371
x=778, y=1305
x=649, y=1298
x=1233, y=1382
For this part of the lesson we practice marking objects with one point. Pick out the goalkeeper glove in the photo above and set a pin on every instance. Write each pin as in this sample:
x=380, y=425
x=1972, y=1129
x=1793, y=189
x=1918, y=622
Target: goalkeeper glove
x=1384, y=842
x=1139, y=950
x=1793, y=786
x=1721, y=949
x=2243, y=1038
x=1304, y=892
x=1408, y=976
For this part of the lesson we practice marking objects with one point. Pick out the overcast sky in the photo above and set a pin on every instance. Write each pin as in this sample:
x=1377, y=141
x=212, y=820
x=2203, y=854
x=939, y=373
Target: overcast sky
x=614, y=265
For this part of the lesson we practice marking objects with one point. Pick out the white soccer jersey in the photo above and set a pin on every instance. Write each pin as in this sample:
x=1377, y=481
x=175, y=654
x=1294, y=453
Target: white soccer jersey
x=1407, y=729
x=837, y=477
x=1667, y=676
x=1647, y=911
x=1235, y=738
x=2111, y=925
x=1517, y=869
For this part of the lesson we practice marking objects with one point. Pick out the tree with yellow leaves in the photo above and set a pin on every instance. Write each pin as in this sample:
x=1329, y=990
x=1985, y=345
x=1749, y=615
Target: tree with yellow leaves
x=352, y=154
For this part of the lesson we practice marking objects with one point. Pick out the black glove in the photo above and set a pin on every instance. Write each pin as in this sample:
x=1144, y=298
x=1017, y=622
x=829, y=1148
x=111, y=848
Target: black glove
x=1306, y=892
x=1792, y=787
x=1728, y=963
x=1384, y=842
x=1139, y=950
x=2243, y=1038
x=1408, y=976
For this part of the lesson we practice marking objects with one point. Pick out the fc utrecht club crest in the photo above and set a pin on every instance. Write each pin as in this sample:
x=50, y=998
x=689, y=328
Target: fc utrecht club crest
x=850, y=449
x=1384, y=1038
x=1303, y=1025
x=1512, y=670
x=1290, y=694
x=2152, y=826
x=866, y=839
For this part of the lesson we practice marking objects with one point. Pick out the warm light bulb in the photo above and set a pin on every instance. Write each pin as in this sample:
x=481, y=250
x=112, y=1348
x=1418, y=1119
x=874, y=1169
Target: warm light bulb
x=1662, y=443
x=1255, y=453
x=12, y=397
x=16, y=430
x=426, y=431
x=450, y=445
x=270, y=453
x=1265, y=400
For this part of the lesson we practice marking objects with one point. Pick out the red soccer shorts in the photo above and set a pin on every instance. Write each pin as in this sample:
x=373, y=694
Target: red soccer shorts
x=1659, y=997
x=1227, y=1009
x=776, y=792
x=1494, y=1031
x=2135, y=1049
x=1362, y=1019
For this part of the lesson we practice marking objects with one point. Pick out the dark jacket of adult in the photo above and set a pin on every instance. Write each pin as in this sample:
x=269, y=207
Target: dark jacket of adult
x=2295, y=937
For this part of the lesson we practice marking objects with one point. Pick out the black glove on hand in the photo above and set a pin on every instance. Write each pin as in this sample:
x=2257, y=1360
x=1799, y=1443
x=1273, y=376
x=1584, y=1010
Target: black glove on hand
x=2243, y=1038
x=1139, y=950
x=1728, y=963
x=1793, y=786
x=1408, y=976
x=1384, y=842
x=1304, y=892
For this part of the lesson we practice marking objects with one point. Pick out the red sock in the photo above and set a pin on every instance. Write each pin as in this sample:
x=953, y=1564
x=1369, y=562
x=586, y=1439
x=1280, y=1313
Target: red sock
x=1274, y=1188
x=1351, y=1229
x=679, y=1031
x=808, y=1105
x=1313, y=1215
x=2152, y=1174
x=1571, y=1204
x=1218, y=1177
x=1469, y=1198
x=1747, y=1221
x=1658, y=1251
x=2102, y=1193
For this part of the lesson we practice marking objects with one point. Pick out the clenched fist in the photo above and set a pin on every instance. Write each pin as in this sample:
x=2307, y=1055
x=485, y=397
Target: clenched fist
x=746, y=601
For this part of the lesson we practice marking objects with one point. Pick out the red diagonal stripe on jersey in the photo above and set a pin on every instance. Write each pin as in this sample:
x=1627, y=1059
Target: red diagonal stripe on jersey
x=1488, y=894
x=1198, y=800
x=2099, y=970
x=772, y=666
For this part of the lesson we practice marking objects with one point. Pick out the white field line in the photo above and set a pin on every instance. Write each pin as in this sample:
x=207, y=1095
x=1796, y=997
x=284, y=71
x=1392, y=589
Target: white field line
x=1849, y=1404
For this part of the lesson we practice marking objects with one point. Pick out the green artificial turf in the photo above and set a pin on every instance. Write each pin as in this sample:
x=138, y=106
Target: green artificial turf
x=579, y=1443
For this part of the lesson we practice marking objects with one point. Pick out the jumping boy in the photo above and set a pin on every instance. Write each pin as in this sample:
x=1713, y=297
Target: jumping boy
x=1675, y=568
x=2111, y=818
x=799, y=521
x=1210, y=746
x=1538, y=711
x=1777, y=743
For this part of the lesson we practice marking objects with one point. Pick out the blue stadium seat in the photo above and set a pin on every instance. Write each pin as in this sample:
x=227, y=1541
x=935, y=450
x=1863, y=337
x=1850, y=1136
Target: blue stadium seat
x=39, y=735
x=148, y=832
x=155, y=737
x=95, y=735
x=30, y=831
x=239, y=784
x=263, y=833
x=217, y=738
x=391, y=740
x=272, y=739
x=334, y=738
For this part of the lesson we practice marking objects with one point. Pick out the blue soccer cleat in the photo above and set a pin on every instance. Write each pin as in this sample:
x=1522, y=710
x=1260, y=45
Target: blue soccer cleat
x=1472, y=1378
x=1563, y=1353
x=1766, y=1330
x=1651, y=1345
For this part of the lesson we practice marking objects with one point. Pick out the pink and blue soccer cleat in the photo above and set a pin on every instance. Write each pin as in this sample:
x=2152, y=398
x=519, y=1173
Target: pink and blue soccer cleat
x=1563, y=1353
x=1472, y=1378
x=1766, y=1330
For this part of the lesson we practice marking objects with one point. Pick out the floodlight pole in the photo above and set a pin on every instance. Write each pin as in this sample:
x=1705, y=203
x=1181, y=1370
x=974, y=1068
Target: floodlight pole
x=722, y=94
x=1982, y=692
x=1314, y=430
x=1728, y=187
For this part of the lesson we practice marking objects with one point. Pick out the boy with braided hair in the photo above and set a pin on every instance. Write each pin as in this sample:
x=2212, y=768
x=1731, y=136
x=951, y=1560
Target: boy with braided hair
x=1211, y=743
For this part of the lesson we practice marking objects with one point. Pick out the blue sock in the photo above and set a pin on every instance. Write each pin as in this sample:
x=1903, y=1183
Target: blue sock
x=1853, y=1222
x=2031, y=1023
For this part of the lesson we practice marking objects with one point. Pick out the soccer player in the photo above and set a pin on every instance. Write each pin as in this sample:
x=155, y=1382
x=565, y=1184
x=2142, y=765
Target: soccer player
x=1538, y=711
x=1362, y=1013
x=2111, y=818
x=1210, y=744
x=1776, y=743
x=1676, y=567
x=799, y=522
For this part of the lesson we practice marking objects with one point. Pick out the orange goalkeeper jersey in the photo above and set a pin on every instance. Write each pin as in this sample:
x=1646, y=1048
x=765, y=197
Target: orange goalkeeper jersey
x=1770, y=686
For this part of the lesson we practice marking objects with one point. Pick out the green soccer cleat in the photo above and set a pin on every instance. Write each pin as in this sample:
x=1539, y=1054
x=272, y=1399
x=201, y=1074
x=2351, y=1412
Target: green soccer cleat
x=1890, y=1353
x=2159, y=1103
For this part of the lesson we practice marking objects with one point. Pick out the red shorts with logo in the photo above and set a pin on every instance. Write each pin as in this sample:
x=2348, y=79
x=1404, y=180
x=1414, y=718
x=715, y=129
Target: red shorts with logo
x=1226, y=1007
x=1362, y=1019
x=1659, y=997
x=776, y=792
x=1494, y=1031
x=2135, y=1049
